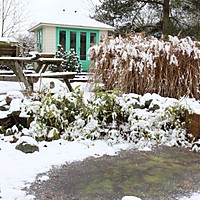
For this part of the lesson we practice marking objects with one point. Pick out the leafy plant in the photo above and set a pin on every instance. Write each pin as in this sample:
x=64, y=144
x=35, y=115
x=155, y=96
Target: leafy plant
x=106, y=108
x=57, y=112
x=71, y=61
x=106, y=115
x=176, y=116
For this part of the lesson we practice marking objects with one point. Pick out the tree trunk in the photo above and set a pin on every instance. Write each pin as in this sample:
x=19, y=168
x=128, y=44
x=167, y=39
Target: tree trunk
x=2, y=18
x=166, y=20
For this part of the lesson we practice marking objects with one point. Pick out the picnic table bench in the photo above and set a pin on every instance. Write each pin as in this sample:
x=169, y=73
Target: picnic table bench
x=16, y=64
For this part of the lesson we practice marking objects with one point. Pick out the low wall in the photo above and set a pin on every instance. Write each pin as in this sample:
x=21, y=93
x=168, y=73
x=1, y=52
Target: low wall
x=194, y=124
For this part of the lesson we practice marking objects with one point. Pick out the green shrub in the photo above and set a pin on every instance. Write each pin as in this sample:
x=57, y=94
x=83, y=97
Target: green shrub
x=71, y=61
x=176, y=116
x=56, y=113
x=106, y=108
x=108, y=116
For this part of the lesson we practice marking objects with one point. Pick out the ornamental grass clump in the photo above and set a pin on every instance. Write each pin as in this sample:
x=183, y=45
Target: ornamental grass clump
x=148, y=65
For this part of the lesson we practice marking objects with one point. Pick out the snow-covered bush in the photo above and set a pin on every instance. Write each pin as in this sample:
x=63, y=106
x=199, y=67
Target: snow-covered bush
x=106, y=108
x=112, y=117
x=176, y=115
x=141, y=65
x=71, y=61
x=54, y=114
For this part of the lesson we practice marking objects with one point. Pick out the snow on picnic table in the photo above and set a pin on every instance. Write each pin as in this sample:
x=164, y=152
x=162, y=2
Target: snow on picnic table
x=18, y=170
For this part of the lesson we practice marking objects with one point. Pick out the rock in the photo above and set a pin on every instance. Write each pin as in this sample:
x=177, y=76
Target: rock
x=147, y=103
x=8, y=100
x=196, y=146
x=7, y=122
x=27, y=144
x=137, y=105
x=25, y=121
x=2, y=108
x=52, y=85
x=13, y=118
x=154, y=107
x=13, y=95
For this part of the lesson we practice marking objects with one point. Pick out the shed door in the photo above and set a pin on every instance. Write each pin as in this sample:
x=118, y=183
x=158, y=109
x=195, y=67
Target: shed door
x=80, y=41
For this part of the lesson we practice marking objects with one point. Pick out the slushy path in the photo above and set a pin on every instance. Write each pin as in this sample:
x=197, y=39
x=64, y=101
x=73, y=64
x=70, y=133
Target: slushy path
x=165, y=173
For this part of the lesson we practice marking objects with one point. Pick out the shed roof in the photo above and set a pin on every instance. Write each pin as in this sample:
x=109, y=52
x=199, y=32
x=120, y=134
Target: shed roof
x=72, y=20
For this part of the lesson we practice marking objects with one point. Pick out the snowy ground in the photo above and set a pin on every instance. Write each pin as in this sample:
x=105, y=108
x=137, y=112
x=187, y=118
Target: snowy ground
x=18, y=170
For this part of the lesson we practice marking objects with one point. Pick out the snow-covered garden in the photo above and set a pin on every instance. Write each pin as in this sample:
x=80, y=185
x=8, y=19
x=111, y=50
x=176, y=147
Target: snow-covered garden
x=133, y=105
x=145, y=121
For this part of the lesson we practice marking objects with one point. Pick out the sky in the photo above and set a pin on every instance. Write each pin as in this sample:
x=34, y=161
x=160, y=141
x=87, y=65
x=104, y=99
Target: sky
x=36, y=11
x=50, y=9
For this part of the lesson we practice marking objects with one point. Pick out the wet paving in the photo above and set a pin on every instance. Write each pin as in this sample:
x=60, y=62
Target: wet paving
x=166, y=173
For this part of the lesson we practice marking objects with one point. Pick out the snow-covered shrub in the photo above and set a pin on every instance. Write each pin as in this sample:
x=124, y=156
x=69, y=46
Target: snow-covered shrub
x=140, y=65
x=55, y=113
x=196, y=146
x=111, y=117
x=71, y=61
x=73, y=118
x=106, y=108
x=176, y=116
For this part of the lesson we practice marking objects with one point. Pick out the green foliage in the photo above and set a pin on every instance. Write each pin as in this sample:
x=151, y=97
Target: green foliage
x=106, y=115
x=56, y=113
x=176, y=115
x=106, y=108
x=2, y=131
x=139, y=15
x=71, y=61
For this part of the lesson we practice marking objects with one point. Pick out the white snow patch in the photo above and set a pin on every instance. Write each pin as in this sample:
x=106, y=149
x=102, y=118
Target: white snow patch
x=195, y=196
x=43, y=178
x=18, y=169
x=15, y=94
x=28, y=140
x=130, y=198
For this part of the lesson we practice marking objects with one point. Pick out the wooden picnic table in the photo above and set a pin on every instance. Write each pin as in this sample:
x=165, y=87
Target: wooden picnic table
x=16, y=64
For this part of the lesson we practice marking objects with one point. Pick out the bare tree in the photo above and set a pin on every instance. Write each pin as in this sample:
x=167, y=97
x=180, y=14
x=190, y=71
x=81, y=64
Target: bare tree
x=13, y=16
x=26, y=42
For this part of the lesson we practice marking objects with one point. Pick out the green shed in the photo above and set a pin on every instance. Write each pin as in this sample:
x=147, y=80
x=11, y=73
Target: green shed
x=72, y=31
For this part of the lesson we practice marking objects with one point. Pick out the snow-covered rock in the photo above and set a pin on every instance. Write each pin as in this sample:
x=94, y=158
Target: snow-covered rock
x=27, y=144
x=13, y=95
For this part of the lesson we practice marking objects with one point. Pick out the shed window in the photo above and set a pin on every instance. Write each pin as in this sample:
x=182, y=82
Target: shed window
x=39, y=40
x=73, y=40
x=83, y=49
x=93, y=39
x=62, y=39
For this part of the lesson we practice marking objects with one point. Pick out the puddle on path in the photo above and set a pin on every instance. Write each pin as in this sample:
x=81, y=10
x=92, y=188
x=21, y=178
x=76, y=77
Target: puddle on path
x=165, y=173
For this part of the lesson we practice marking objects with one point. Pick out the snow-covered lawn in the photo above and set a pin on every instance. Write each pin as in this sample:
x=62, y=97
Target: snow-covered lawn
x=18, y=170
